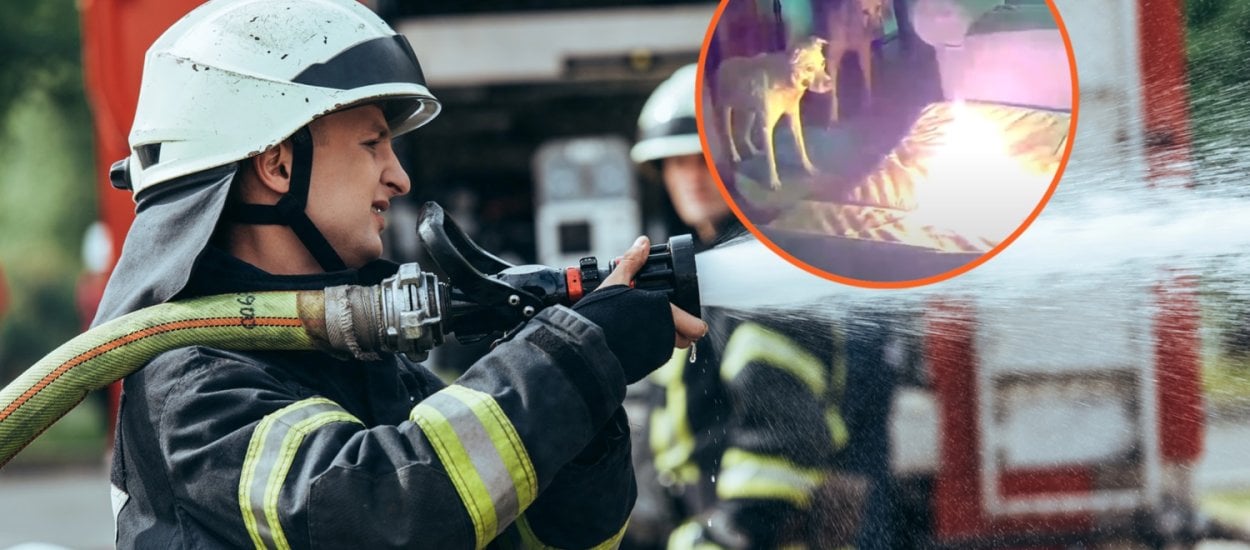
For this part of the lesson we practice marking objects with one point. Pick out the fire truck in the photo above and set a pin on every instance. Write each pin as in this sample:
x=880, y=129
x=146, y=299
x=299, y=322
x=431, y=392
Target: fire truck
x=1072, y=413
x=1079, y=421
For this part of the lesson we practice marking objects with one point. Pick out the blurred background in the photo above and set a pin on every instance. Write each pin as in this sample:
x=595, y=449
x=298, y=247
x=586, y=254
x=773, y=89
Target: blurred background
x=541, y=99
x=534, y=94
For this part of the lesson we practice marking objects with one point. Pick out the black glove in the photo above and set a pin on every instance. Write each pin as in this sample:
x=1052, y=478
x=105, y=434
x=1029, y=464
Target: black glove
x=611, y=434
x=638, y=325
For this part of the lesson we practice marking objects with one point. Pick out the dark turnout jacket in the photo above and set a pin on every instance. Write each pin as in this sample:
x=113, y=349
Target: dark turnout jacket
x=276, y=449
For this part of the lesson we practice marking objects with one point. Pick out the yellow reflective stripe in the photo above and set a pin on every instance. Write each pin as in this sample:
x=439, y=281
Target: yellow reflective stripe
x=752, y=342
x=671, y=439
x=530, y=540
x=838, y=431
x=270, y=454
x=749, y=475
x=464, y=477
x=250, y=462
x=287, y=457
x=506, y=441
x=483, y=456
x=837, y=386
x=689, y=536
x=840, y=434
x=614, y=541
x=670, y=372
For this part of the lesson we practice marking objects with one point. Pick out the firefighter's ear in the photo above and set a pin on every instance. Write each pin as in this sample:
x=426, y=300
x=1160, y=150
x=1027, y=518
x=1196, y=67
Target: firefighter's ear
x=272, y=168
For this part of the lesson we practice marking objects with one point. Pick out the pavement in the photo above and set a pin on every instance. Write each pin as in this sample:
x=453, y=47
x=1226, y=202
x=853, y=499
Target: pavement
x=67, y=508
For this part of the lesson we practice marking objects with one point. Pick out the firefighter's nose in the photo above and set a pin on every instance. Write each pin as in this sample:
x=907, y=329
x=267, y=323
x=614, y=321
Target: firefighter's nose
x=396, y=178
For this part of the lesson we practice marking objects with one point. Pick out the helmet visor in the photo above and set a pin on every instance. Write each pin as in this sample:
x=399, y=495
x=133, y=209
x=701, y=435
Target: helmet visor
x=385, y=60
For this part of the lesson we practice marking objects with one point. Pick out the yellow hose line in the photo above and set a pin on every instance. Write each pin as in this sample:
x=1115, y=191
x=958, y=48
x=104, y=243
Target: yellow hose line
x=60, y=380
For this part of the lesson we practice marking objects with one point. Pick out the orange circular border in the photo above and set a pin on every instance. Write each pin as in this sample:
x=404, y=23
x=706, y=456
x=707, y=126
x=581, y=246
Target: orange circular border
x=711, y=162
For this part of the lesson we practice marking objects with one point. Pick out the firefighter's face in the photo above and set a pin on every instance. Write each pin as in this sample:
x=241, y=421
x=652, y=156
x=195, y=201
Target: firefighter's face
x=355, y=175
x=695, y=197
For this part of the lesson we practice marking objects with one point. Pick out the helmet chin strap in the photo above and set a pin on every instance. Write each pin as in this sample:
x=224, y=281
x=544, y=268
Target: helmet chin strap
x=290, y=210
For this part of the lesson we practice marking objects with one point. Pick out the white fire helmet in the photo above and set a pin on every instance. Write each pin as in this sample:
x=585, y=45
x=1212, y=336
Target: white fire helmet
x=236, y=77
x=666, y=126
x=230, y=80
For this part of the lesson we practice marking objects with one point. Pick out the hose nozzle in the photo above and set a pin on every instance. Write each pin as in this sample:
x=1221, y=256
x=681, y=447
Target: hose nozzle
x=457, y=288
x=670, y=267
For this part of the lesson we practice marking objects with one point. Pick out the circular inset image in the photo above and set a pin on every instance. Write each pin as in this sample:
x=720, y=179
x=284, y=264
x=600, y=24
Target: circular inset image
x=887, y=143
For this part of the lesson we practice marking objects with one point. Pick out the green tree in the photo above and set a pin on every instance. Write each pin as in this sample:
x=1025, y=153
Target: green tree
x=1218, y=48
x=40, y=50
x=47, y=195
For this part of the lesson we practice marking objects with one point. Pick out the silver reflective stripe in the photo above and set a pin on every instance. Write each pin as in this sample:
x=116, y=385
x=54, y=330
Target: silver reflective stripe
x=269, y=458
x=483, y=455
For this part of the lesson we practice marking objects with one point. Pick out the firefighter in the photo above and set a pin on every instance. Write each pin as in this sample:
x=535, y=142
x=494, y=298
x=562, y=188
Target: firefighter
x=749, y=441
x=262, y=160
x=668, y=151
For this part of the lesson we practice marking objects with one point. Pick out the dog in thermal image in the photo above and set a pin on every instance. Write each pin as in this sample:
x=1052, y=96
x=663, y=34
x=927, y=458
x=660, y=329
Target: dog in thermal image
x=853, y=26
x=761, y=88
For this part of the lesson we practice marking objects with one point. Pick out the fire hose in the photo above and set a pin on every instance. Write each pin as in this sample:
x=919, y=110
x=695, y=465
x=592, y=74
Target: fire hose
x=455, y=288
